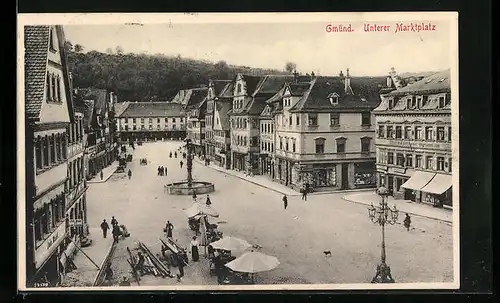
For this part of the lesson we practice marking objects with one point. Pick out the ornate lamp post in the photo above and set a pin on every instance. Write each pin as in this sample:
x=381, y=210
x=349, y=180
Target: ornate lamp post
x=383, y=215
x=189, y=163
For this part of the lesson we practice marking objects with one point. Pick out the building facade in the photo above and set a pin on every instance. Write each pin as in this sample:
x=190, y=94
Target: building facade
x=102, y=145
x=249, y=99
x=414, y=157
x=324, y=133
x=151, y=121
x=217, y=130
x=194, y=104
x=49, y=114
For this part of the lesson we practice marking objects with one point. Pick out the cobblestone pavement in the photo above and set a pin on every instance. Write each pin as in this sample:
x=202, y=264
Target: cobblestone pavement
x=297, y=236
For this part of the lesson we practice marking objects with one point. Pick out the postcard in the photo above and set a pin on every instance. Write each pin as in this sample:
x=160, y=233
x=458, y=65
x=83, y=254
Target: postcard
x=238, y=151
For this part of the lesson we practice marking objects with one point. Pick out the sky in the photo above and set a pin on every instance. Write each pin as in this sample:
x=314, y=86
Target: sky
x=271, y=45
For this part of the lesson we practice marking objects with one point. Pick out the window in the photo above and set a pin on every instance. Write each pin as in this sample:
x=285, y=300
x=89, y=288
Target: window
x=381, y=131
x=424, y=100
x=409, y=160
x=440, y=134
x=133, y=120
x=166, y=120
x=399, y=134
x=366, y=119
x=341, y=145
x=142, y=126
x=173, y=126
x=449, y=134
x=255, y=141
x=428, y=133
x=441, y=102
x=262, y=128
x=418, y=161
x=293, y=145
x=418, y=133
x=53, y=89
x=390, y=158
x=400, y=160
x=449, y=164
x=334, y=119
x=134, y=127
x=272, y=128
x=289, y=120
x=390, y=132
x=440, y=163
x=428, y=162
x=281, y=143
x=142, y=120
x=238, y=88
x=245, y=141
x=297, y=120
x=173, y=120
x=313, y=119
x=158, y=127
x=52, y=40
x=365, y=145
x=407, y=132
x=286, y=144
x=150, y=120
x=320, y=145
x=158, y=120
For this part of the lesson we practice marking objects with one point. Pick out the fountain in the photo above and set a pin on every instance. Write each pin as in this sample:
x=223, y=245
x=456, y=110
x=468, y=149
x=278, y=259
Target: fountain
x=189, y=186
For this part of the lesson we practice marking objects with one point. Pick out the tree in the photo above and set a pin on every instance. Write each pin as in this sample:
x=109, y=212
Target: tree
x=290, y=67
x=119, y=50
x=68, y=46
x=78, y=48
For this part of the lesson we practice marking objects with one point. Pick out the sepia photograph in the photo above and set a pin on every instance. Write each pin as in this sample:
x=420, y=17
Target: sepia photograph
x=238, y=151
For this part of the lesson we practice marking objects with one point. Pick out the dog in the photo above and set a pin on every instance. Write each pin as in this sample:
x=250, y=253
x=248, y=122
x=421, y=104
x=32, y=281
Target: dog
x=327, y=253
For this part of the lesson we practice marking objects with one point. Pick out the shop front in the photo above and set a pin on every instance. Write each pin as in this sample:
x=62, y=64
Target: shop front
x=239, y=161
x=364, y=175
x=413, y=187
x=438, y=190
x=47, y=254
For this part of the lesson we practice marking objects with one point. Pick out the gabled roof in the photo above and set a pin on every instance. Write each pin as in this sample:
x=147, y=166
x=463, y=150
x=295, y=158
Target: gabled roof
x=438, y=82
x=299, y=89
x=271, y=84
x=120, y=107
x=88, y=113
x=36, y=47
x=219, y=85
x=100, y=97
x=227, y=91
x=365, y=95
x=251, y=82
x=223, y=109
x=267, y=112
x=151, y=109
x=190, y=96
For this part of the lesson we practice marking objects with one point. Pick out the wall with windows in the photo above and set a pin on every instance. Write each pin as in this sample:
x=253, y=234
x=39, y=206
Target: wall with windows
x=151, y=123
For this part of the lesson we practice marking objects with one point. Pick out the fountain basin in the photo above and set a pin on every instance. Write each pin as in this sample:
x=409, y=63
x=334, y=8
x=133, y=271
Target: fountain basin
x=182, y=188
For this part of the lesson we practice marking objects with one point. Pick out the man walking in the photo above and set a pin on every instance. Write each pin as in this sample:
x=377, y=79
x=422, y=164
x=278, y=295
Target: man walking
x=407, y=222
x=102, y=175
x=104, y=227
x=182, y=163
x=208, y=203
x=129, y=174
x=116, y=233
x=168, y=229
x=166, y=172
x=113, y=221
x=304, y=193
x=285, y=201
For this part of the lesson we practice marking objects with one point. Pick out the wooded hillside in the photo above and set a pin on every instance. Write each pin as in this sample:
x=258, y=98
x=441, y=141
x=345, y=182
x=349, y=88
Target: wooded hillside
x=141, y=77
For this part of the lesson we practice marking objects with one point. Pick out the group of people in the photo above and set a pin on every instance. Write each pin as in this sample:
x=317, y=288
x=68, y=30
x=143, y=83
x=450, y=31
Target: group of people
x=208, y=202
x=115, y=231
x=175, y=154
x=162, y=171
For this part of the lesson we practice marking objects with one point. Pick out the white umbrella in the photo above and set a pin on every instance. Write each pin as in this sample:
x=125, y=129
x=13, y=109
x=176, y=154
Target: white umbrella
x=230, y=243
x=253, y=262
x=198, y=209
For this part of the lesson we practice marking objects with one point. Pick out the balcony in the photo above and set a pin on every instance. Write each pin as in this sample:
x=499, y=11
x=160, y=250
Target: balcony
x=412, y=144
x=50, y=177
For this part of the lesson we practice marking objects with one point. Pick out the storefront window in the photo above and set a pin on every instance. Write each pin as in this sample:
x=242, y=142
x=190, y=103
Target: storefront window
x=325, y=177
x=364, y=174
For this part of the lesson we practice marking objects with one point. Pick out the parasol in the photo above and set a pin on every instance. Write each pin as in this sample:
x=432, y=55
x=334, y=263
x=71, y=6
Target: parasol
x=230, y=243
x=198, y=209
x=253, y=262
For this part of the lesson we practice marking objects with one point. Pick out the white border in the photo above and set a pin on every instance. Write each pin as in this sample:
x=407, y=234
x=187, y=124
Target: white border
x=115, y=18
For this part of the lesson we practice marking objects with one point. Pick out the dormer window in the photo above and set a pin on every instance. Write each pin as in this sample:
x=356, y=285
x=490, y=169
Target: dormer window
x=442, y=80
x=428, y=81
x=238, y=90
x=334, y=98
x=441, y=102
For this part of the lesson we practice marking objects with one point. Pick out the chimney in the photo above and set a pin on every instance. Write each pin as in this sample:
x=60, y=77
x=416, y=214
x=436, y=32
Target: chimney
x=295, y=76
x=341, y=75
x=389, y=81
x=347, y=83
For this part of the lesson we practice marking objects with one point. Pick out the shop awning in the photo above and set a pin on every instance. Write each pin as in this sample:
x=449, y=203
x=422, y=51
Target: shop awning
x=438, y=185
x=418, y=180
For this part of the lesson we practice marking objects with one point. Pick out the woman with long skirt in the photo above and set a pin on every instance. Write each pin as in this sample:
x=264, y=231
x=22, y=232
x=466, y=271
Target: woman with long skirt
x=194, y=249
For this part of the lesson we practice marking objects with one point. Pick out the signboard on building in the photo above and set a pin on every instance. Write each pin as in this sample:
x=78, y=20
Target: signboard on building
x=44, y=251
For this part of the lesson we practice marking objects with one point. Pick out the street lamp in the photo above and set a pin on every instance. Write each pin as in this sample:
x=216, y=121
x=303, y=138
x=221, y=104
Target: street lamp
x=383, y=215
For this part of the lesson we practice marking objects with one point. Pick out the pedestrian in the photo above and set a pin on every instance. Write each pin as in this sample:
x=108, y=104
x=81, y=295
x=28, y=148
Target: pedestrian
x=102, y=175
x=165, y=171
x=168, y=229
x=407, y=222
x=175, y=154
x=304, y=193
x=159, y=168
x=129, y=174
x=180, y=264
x=195, y=255
x=285, y=201
x=170, y=155
x=116, y=233
x=114, y=221
x=182, y=163
x=194, y=196
x=104, y=227
x=208, y=201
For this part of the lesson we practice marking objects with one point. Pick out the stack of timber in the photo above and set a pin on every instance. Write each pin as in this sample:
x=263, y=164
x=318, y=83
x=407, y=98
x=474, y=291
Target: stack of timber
x=153, y=265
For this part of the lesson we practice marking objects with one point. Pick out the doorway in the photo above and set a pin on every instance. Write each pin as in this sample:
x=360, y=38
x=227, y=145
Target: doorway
x=345, y=176
x=390, y=184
